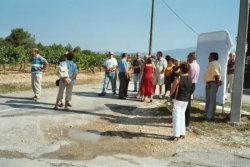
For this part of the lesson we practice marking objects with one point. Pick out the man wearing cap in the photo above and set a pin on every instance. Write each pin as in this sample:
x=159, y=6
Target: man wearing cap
x=38, y=64
x=230, y=73
x=110, y=65
x=160, y=65
x=212, y=79
x=194, y=74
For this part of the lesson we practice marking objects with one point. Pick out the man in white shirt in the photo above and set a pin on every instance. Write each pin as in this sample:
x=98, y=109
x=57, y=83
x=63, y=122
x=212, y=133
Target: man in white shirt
x=160, y=65
x=110, y=65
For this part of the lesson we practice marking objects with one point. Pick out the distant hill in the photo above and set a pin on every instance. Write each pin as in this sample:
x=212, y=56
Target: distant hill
x=179, y=53
x=175, y=53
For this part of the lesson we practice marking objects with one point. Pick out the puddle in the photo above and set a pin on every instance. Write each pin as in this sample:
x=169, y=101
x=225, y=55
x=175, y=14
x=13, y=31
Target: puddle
x=84, y=135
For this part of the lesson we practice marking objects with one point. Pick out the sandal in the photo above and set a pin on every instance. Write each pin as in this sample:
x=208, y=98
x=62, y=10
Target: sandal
x=142, y=100
x=151, y=100
x=174, y=138
x=55, y=108
x=66, y=109
x=182, y=136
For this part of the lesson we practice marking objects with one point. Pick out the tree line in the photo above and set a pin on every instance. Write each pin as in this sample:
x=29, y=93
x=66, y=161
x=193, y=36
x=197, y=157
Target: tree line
x=15, y=50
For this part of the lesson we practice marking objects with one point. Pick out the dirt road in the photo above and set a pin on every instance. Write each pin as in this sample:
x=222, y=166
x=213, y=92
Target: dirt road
x=103, y=131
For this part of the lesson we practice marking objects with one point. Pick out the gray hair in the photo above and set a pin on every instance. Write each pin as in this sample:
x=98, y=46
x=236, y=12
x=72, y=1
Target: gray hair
x=232, y=53
x=193, y=55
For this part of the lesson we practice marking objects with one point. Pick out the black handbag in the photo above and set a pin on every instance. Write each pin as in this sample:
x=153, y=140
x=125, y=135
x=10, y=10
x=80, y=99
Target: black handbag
x=57, y=82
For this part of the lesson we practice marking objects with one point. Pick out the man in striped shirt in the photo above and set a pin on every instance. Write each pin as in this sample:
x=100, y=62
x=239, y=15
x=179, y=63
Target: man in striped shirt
x=38, y=64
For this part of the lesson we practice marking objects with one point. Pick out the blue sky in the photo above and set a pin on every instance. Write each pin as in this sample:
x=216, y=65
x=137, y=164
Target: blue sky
x=118, y=25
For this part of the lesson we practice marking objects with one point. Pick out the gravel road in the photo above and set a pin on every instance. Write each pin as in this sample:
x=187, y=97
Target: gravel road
x=101, y=131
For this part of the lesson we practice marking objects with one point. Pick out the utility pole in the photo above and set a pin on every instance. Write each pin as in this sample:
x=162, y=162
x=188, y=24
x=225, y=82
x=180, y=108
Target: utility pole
x=239, y=62
x=151, y=28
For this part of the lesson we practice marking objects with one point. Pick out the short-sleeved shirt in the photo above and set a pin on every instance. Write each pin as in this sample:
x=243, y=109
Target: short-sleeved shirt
x=231, y=64
x=194, y=71
x=122, y=65
x=72, y=69
x=138, y=63
x=108, y=63
x=36, y=62
x=160, y=65
x=213, y=69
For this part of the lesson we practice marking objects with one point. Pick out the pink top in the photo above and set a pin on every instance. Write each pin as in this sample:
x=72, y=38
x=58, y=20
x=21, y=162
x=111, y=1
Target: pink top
x=194, y=71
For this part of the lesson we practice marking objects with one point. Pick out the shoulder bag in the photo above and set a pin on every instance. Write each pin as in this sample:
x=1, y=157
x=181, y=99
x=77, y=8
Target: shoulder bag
x=63, y=71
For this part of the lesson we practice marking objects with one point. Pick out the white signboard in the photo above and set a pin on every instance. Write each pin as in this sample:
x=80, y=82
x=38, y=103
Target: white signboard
x=221, y=43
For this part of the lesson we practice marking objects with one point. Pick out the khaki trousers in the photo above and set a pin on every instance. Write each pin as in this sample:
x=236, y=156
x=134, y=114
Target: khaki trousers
x=36, y=83
x=69, y=88
x=230, y=79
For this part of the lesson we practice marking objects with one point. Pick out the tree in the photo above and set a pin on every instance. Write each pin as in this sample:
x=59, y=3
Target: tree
x=77, y=49
x=87, y=52
x=2, y=42
x=7, y=56
x=19, y=37
x=39, y=46
x=68, y=48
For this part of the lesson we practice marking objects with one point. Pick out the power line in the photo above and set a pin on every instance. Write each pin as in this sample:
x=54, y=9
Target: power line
x=180, y=17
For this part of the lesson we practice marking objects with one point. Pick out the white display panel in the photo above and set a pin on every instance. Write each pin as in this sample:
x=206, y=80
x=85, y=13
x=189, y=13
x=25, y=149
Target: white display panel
x=221, y=43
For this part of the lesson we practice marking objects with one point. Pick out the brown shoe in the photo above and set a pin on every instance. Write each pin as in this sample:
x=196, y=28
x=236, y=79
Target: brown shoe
x=174, y=138
x=182, y=136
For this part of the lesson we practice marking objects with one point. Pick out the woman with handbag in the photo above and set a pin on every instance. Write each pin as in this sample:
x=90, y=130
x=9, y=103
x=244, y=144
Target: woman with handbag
x=67, y=80
x=180, y=92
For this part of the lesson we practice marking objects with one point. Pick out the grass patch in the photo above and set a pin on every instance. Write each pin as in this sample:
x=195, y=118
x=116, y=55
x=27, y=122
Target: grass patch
x=162, y=111
x=218, y=126
x=7, y=88
x=245, y=127
x=244, y=106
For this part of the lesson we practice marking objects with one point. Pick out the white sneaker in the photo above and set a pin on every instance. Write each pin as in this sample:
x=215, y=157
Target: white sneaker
x=160, y=96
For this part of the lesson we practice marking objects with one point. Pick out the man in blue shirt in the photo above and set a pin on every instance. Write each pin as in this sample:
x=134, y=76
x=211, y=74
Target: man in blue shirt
x=38, y=64
x=123, y=75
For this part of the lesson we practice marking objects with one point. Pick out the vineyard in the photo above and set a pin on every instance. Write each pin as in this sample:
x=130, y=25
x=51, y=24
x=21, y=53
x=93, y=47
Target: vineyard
x=19, y=58
x=15, y=53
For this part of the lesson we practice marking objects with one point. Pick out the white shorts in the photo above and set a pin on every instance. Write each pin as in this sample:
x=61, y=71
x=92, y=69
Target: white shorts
x=158, y=79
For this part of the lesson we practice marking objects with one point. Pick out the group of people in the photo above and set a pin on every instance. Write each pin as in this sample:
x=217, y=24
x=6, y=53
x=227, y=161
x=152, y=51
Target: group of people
x=179, y=79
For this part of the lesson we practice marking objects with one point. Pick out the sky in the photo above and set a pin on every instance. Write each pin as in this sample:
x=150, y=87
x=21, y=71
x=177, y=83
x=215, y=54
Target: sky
x=118, y=25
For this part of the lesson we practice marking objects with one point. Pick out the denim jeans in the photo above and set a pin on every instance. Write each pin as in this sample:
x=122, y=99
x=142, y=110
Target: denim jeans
x=136, y=80
x=112, y=77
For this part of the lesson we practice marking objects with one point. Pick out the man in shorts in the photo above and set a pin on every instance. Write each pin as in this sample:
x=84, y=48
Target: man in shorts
x=160, y=65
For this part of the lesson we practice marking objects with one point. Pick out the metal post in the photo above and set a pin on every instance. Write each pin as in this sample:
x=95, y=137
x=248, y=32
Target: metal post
x=239, y=62
x=151, y=28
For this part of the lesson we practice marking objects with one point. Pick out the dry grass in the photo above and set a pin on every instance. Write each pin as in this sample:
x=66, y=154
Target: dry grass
x=16, y=82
